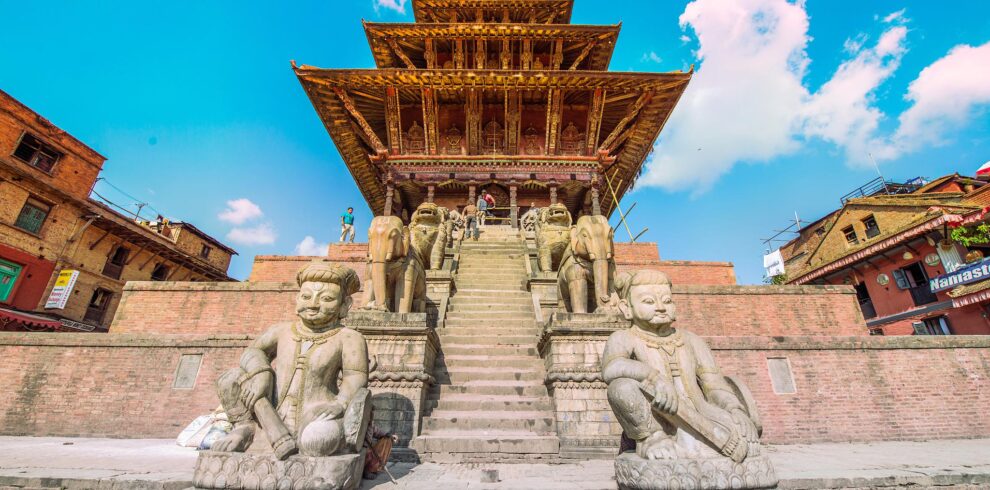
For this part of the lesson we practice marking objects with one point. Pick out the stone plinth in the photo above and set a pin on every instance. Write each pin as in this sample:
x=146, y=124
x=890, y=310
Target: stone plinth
x=571, y=348
x=405, y=349
x=438, y=286
x=635, y=473
x=261, y=471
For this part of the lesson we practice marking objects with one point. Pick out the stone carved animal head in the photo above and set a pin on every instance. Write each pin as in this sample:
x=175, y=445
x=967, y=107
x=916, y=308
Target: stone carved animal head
x=555, y=215
x=427, y=214
x=387, y=239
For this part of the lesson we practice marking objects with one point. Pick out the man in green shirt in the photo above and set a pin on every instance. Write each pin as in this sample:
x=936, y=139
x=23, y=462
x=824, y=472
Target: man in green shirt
x=347, y=225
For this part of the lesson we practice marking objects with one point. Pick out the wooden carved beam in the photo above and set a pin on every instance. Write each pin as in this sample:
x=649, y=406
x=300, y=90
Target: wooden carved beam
x=513, y=119
x=554, y=102
x=430, y=54
x=459, y=54
x=526, y=57
x=557, y=60
x=506, y=55
x=430, y=120
x=372, y=138
x=401, y=54
x=97, y=242
x=584, y=54
x=594, y=127
x=393, y=118
x=609, y=143
x=473, y=112
x=480, y=55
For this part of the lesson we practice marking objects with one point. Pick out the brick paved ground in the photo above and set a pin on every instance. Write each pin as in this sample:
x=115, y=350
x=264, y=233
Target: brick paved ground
x=78, y=463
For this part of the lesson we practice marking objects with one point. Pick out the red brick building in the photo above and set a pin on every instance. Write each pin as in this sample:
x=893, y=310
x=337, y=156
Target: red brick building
x=49, y=224
x=890, y=244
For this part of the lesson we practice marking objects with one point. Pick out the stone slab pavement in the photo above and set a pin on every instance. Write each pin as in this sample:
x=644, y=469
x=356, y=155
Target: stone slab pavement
x=119, y=464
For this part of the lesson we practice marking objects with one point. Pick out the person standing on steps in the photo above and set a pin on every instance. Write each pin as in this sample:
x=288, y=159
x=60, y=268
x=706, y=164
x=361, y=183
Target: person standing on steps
x=347, y=225
x=471, y=220
x=491, y=203
x=482, y=207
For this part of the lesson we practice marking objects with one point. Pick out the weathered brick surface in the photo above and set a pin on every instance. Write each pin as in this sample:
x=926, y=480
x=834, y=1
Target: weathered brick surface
x=632, y=256
x=848, y=389
x=283, y=268
x=246, y=308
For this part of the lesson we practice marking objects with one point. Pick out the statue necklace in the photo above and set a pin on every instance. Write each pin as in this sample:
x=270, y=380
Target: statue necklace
x=301, y=357
x=668, y=344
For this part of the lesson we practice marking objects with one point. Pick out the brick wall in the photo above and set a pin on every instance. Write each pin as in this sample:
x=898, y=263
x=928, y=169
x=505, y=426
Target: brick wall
x=847, y=389
x=632, y=256
x=283, y=268
x=246, y=308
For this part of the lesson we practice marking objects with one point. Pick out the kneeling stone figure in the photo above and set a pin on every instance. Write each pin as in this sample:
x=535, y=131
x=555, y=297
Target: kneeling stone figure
x=693, y=427
x=305, y=384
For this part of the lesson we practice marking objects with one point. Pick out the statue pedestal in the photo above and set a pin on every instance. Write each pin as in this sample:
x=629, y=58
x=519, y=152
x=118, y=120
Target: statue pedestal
x=258, y=471
x=635, y=473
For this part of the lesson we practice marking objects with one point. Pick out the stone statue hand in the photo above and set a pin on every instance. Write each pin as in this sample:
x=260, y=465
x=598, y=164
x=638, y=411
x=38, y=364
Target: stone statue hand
x=745, y=424
x=331, y=411
x=665, y=397
x=255, y=388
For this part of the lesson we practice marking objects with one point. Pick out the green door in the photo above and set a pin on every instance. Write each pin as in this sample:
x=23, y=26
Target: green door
x=8, y=276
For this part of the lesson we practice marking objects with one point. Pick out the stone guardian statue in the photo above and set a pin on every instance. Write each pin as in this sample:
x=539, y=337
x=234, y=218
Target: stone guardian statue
x=304, y=383
x=693, y=428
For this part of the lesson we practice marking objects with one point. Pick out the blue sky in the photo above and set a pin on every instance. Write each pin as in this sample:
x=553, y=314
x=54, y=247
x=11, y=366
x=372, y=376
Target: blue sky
x=200, y=115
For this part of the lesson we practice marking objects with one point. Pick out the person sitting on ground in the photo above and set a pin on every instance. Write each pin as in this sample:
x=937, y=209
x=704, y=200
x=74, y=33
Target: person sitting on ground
x=379, y=444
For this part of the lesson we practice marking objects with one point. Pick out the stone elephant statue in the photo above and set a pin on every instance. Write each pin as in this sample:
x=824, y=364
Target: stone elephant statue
x=588, y=261
x=430, y=231
x=398, y=281
x=552, y=230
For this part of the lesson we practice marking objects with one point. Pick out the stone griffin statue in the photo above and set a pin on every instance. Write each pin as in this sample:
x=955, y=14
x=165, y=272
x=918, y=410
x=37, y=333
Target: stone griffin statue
x=693, y=428
x=552, y=230
x=396, y=269
x=529, y=218
x=305, y=384
x=430, y=231
x=588, y=261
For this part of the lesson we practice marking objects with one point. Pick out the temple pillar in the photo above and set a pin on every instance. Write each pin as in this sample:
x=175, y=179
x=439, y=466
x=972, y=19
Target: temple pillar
x=389, y=193
x=553, y=194
x=513, y=207
x=472, y=193
x=430, y=192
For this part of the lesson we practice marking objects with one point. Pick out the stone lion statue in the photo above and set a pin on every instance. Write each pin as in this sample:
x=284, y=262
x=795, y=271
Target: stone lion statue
x=552, y=231
x=429, y=234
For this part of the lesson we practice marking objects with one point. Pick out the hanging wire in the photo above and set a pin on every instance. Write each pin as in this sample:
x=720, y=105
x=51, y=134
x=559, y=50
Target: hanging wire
x=137, y=202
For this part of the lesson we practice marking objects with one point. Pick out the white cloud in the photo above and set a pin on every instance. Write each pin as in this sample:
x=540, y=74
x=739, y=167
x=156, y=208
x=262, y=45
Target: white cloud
x=240, y=211
x=651, y=56
x=308, y=246
x=741, y=104
x=263, y=234
x=896, y=17
x=396, y=5
x=945, y=95
x=842, y=111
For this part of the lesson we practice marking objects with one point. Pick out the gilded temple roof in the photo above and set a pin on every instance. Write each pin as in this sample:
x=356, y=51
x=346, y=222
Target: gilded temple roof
x=528, y=11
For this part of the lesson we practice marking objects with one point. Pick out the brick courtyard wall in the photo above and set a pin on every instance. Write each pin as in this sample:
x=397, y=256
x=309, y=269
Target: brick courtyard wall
x=283, y=268
x=633, y=256
x=247, y=308
x=846, y=389
x=203, y=308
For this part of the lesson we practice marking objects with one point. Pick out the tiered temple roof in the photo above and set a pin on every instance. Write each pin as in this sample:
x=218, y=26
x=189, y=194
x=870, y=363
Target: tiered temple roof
x=466, y=98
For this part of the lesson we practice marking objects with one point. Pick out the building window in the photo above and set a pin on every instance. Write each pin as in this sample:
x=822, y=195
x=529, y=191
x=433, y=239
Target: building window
x=914, y=279
x=37, y=154
x=160, y=273
x=33, y=216
x=865, y=302
x=9, y=272
x=115, y=263
x=98, y=304
x=870, y=223
x=876, y=331
x=820, y=230
x=850, y=235
x=205, y=252
x=932, y=326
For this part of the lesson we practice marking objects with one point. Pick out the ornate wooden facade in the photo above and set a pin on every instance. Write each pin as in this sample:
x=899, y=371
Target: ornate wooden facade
x=492, y=94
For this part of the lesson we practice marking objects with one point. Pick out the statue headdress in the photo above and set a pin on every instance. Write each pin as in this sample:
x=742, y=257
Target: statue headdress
x=330, y=273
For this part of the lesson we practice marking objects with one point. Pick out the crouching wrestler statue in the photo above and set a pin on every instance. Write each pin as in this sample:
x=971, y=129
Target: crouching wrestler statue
x=692, y=427
x=304, y=384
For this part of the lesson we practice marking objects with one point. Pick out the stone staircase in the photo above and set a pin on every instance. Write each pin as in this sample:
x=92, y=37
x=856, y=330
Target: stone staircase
x=490, y=403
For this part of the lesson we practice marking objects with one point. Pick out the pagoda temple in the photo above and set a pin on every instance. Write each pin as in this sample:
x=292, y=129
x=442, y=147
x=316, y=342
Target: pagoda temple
x=505, y=96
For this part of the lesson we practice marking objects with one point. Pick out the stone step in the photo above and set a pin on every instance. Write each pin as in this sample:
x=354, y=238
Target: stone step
x=535, y=388
x=466, y=360
x=459, y=375
x=507, y=403
x=539, y=422
x=485, y=295
x=493, y=277
x=489, y=300
x=472, y=331
x=489, y=350
x=490, y=339
x=470, y=306
x=490, y=315
x=449, y=445
x=493, y=325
